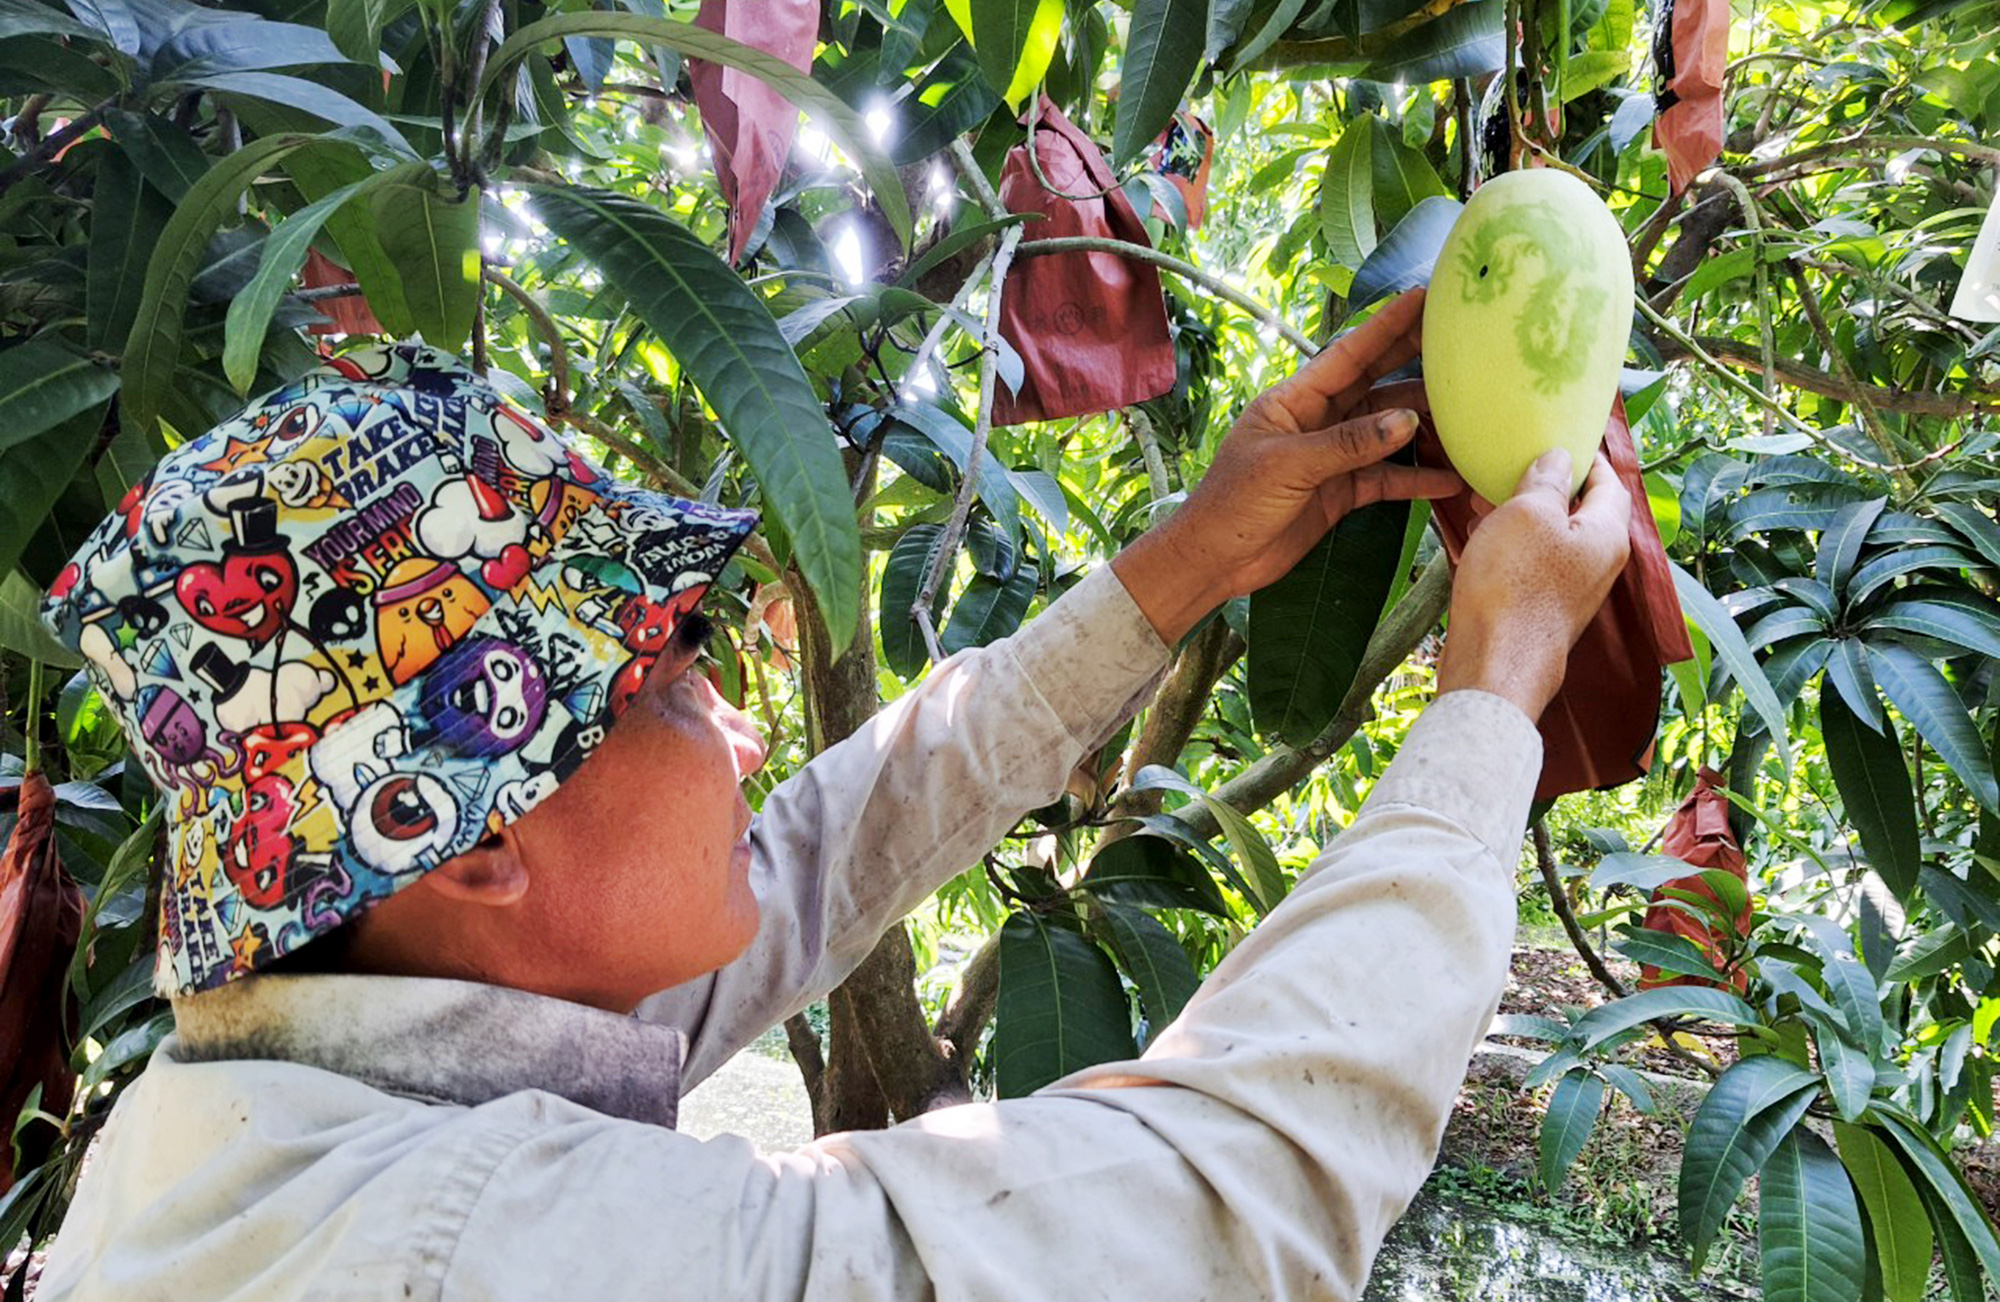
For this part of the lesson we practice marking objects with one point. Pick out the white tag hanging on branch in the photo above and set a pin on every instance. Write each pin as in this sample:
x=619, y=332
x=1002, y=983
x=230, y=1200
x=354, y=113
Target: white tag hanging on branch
x=1978, y=297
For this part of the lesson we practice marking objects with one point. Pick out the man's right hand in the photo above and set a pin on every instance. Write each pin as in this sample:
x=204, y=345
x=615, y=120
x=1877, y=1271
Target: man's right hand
x=1534, y=573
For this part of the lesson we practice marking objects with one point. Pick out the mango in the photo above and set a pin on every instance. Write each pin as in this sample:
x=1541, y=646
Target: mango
x=1525, y=327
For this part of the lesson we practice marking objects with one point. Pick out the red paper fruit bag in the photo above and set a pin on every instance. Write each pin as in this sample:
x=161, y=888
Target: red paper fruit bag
x=347, y=315
x=1690, y=50
x=1699, y=833
x=41, y=915
x=749, y=125
x=1598, y=731
x=1091, y=328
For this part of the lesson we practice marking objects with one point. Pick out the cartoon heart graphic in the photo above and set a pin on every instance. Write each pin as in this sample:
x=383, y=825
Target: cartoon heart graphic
x=249, y=595
x=508, y=568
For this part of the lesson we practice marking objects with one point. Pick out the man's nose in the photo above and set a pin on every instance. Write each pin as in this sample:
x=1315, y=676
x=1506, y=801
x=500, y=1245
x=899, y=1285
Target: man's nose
x=745, y=741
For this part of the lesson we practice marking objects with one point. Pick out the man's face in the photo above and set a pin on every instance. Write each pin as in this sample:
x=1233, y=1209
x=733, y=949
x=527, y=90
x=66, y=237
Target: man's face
x=640, y=862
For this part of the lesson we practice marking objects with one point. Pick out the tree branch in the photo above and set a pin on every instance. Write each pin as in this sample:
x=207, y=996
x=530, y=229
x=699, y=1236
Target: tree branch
x=1715, y=349
x=1559, y=901
x=558, y=400
x=1870, y=144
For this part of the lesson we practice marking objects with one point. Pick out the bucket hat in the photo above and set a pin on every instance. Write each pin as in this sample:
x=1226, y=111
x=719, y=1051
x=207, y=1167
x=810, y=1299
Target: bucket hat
x=375, y=617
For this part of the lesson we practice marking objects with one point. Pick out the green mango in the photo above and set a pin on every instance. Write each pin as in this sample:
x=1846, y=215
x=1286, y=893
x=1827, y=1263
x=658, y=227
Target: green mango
x=1525, y=327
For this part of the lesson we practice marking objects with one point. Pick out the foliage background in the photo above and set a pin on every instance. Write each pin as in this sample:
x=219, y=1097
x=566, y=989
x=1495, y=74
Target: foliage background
x=529, y=180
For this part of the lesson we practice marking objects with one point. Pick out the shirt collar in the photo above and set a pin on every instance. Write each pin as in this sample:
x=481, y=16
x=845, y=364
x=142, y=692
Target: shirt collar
x=440, y=1041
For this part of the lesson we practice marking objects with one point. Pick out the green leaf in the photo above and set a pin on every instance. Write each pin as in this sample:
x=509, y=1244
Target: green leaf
x=1668, y=952
x=1874, y=785
x=1464, y=41
x=1347, y=196
x=355, y=26
x=1403, y=177
x=1308, y=630
x=135, y=1044
x=1572, y=1114
x=1841, y=543
x=1727, y=641
x=1015, y=39
x=1849, y=1072
x=433, y=241
x=1162, y=51
x=21, y=627
x=839, y=120
x=152, y=351
x=1154, y=960
x=1847, y=979
x=1607, y=1020
x=724, y=337
x=1591, y=70
x=1266, y=878
x=1060, y=1007
x=1407, y=256
x=903, y=648
x=990, y=609
x=1877, y=572
x=1923, y=696
x=29, y=18
x=1944, y=1184
x=309, y=97
x=282, y=254
x=1933, y=619
x=1808, y=1224
x=996, y=487
x=1975, y=526
x=1931, y=953
x=35, y=471
x=126, y=216
x=950, y=100
x=1750, y=1108
x=1896, y=1216
x=1847, y=668
x=1631, y=1084
x=43, y=384
x=1153, y=871
x=167, y=156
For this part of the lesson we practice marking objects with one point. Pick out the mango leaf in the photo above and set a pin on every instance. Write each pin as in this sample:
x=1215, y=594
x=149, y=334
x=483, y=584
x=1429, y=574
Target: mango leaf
x=1847, y=979
x=1931, y=953
x=1874, y=785
x=1347, y=196
x=1847, y=669
x=1465, y=41
x=839, y=120
x=1266, y=879
x=1014, y=39
x=1750, y=1108
x=1154, y=960
x=1849, y=1072
x=21, y=627
x=903, y=573
x=34, y=471
x=30, y=18
x=1944, y=1188
x=134, y=1045
x=1403, y=177
x=280, y=257
x=1975, y=526
x=1407, y=256
x=1841, y=543
x=1666, y=951
x=1162, y=51
x=1060, y=1007
x=432, y=240
x=1572, y=1114
x=1973, y=630
x=1896, y=1216
x=152, y=351
x=1155, y=871
x=1727, y=641
x=1641, y=872
x=989, y=609
x=1309, y=629
x=1808, y=1224
x=996, y=486
x=126, y=217
x=310, y=97
x=355, y=26
x=1607, y=1020
x=1923, y=696
x=723, y=335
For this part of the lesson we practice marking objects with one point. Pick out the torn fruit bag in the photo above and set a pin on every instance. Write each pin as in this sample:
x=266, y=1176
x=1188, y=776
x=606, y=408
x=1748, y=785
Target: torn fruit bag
x=41, y=915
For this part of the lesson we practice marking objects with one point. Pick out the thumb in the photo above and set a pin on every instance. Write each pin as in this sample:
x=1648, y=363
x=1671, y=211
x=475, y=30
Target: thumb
x=1551, y=473
x=1360, y=442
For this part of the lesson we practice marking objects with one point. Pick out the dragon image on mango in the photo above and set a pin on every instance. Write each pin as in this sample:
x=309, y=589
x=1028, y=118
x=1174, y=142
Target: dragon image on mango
x=1563, y=311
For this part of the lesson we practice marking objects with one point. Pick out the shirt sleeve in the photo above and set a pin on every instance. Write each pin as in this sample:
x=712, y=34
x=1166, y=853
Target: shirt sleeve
x=863, y=833
x=1261, y=1147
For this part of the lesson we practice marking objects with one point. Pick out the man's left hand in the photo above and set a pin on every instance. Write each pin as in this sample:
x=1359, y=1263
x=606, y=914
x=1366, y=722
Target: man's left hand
x=1302, y=455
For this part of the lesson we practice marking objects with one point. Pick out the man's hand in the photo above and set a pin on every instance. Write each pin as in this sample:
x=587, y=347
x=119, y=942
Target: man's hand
x=1534, y=573
x=1302, y=455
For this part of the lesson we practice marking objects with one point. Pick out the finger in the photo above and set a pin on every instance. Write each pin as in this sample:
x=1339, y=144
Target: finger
x=1381, y=483
x=1606, y=504
x=1353, y=444
x=1308, y=393
x=1551, y=473
x=1402, y=393
x=1400, y=353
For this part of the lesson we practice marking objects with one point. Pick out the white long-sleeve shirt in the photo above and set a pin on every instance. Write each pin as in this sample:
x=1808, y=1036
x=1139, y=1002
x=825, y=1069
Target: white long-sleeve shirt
x=356, y=1137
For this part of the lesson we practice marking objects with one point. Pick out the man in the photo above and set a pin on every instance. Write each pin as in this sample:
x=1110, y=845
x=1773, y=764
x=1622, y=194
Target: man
x=455, y=1106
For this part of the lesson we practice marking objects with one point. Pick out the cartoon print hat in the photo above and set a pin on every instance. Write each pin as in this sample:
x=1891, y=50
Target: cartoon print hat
x=355, y=629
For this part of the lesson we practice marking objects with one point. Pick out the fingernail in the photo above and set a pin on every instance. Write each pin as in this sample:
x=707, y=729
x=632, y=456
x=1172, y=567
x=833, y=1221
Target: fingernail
x=1557, y=461
x=1395, y=424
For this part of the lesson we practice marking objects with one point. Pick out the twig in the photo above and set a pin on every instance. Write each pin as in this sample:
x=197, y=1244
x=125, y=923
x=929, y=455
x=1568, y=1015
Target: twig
x=1753, y=217
x=1872, y=144
x=557, y=396
x=42, y=153
x=1185, y=270
x=1559, y=901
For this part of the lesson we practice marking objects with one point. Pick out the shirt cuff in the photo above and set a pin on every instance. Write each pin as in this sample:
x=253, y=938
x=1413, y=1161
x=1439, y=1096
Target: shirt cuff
x=1474, y=757
x=1093, y=656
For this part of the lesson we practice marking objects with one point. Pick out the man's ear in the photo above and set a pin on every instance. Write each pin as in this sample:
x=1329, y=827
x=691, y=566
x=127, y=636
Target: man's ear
x=490, y=873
